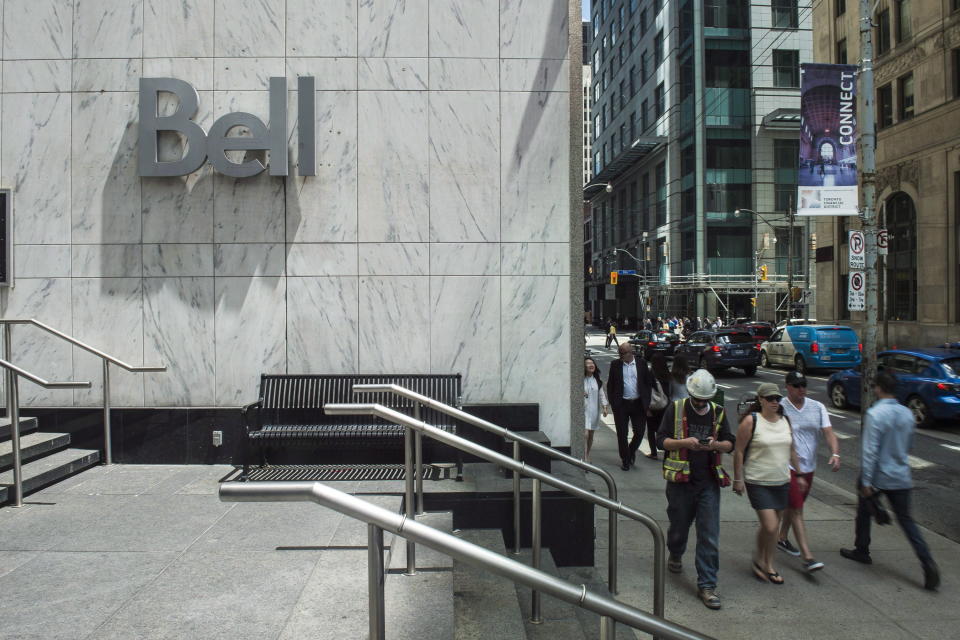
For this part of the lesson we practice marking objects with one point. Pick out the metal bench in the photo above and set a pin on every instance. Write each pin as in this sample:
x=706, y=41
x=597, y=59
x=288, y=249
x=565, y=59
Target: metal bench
x=289, y=412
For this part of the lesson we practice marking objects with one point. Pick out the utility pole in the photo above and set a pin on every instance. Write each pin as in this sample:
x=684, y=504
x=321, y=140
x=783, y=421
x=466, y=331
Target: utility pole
x=789, y=261
x=866, y=117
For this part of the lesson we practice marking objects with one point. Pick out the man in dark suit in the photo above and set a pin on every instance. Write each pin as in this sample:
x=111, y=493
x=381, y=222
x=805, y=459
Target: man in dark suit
x=629, y=388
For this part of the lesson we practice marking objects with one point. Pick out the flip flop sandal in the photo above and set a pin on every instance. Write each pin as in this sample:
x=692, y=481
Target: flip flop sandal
x=759, y=573
x=775, y=578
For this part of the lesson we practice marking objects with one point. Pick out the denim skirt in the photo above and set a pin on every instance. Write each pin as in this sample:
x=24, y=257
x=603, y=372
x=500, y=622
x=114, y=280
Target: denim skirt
x=763, y=496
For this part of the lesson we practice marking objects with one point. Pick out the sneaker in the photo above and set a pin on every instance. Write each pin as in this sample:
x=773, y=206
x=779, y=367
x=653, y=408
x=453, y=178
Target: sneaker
x=784, y=545
x=857, y=555
x=709, y=598
x=931, y=577
x=674, y=564
x=812, y=565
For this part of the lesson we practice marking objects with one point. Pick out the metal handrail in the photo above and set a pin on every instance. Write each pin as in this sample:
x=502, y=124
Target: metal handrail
x=468, y=446
x=517, y=439
x=7, y=323
x=13, y=412
x=379, y=520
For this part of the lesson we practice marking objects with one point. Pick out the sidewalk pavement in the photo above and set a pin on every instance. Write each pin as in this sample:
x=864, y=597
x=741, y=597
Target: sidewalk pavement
x=844, y=600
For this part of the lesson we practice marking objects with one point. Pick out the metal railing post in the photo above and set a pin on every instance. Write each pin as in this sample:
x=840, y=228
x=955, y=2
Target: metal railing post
x=516, y=500
x=536, y=506
x=107, y=443
x=375, y=578
x=410, y=506
x=418, y=455
x=13, y=410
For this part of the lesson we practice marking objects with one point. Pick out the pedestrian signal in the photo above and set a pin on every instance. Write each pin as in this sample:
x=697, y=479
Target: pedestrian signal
x=763, y=271
x=613, y=277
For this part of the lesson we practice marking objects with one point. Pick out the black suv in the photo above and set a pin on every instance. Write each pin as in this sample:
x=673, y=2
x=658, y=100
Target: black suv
x=721, y=349
x=652, y=342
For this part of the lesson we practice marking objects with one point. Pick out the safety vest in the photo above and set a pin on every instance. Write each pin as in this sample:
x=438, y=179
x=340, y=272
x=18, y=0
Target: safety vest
x=676, y=466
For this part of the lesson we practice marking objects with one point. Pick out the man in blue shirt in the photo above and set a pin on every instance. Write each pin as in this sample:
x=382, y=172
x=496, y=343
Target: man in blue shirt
x=885, y=445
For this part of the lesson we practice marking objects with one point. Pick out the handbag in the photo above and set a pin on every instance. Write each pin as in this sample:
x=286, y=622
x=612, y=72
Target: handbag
x=876, y=509
x=658, y=399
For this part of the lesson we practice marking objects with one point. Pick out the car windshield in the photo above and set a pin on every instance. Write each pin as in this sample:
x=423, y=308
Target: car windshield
x=760, y=331
x=837, y=335
x=666, y=337
x=734, y=338
x=952, y=366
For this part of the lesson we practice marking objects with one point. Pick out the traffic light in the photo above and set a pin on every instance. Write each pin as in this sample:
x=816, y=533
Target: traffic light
x=613, y=277
x=753, y=302
x=763, y=271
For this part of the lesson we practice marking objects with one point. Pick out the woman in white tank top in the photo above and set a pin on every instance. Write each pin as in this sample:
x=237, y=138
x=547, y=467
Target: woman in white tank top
x=761, y=464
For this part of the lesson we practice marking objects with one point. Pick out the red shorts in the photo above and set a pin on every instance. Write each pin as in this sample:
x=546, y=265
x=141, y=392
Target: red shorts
x=796, y=497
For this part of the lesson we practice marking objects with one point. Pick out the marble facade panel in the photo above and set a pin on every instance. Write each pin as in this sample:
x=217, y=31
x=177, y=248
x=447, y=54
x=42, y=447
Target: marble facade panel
x=464, y=259
x=27, y=76
x=526, y=74
x=107, y=29
x=248, y=259
x=178, y=28
x=329, y=74
x=107, y=260
x=246, y=209
x=177, y=260
x=37, y=29
x=394, y=325
x=386, y=74
x=41, y=261
x=249, y=28
x=197, y=71
x=322, y=259
x=323, y=208
x=321, y=337
x=533, y=28
x=392, y=28
x=394, y=259
x=534, y=167
x=535, y=259
x=47, y=300
x=465, y=333
x=107, y=74
x=247, y=74
x=178, y=332
x=536, y=367
x=393, y=159
x=104, y=181
x=464, y=187
x=35, y=127
x=250, y=325
x=465, y=28
x=332, y=32
x=108, y=315
x=464, y=74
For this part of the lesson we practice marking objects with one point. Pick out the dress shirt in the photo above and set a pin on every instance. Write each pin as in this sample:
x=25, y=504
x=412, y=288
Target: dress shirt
x=886, y=439
x=630, y=380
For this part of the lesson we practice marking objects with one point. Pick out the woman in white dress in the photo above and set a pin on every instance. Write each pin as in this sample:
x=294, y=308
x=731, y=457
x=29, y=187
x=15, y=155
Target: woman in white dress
x=594, y=401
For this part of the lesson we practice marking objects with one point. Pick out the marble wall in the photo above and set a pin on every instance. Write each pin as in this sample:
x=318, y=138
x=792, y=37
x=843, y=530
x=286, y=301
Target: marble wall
x=433, y=239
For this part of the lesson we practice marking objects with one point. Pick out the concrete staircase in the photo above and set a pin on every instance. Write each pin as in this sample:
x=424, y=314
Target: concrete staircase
x=45, y=457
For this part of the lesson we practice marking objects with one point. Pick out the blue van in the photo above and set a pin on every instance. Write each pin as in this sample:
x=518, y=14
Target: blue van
x=812, y=346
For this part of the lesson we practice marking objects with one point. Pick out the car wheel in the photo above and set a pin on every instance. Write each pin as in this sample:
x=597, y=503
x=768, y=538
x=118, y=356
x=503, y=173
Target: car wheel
x=750, y=371
x=764, y=360
x=921, y=413
x=838, y=396
x=800, y=364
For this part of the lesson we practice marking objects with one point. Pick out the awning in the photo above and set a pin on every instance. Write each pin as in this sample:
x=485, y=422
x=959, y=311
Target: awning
x=638, y=152
x=782, y=120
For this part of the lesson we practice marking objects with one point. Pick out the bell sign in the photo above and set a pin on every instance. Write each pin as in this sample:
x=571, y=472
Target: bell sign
x=200, y=146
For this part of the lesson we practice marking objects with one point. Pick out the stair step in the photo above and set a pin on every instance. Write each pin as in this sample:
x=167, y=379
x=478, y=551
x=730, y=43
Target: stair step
x=49, y=469
x=560, y=618
x=27, y=425
x=485, y=605
x=426, y=557
x=33, y=445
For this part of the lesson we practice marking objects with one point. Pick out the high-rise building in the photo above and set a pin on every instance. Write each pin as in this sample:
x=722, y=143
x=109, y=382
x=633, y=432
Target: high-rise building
x=587, y=104
x=917, y=81
x=695, y=152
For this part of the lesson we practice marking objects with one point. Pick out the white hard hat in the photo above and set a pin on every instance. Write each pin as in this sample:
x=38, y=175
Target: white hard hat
x=701, y=385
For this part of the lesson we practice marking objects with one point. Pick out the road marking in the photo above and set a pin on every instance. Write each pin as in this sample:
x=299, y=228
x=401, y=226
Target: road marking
x=724, y=386
x=836, y=415
x=842, y=436
x=950, y=446
x=919, y=463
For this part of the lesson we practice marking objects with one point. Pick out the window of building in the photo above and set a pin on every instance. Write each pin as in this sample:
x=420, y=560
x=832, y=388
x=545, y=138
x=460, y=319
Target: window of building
x=883, y=31
x=634, y=212
x=606, y=153
x=633, y=38
x=904, y=25
x=622, y=217
x=633, y=81
x=644, y=115
x=841, y=7
x=842, y=51
x=643, y=21
x=956, y=71
x=661, y=178
x=658, y=47
x=786, y=68
x=645, y=202
x=624, y=96
x=613, y=33
x=884, y=106
x=726, y=14
x=623, y=135
x=902, y=258
x=644, y=67
x=623, y=15
x=596, y=25
x=727, y=69
x=659, y=100
x=622, y=55
x=784, y=14
x=955, y=5
x=633, y=127
x=613, y=145
x=596, y=92
x=633, y=6
x=786, y=162
x=905, y=96
x=597, y=162
x=596, y=126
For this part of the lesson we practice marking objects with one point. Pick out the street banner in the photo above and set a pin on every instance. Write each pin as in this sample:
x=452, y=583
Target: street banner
x=827, y=178
x=857, y=245
x=856, y=296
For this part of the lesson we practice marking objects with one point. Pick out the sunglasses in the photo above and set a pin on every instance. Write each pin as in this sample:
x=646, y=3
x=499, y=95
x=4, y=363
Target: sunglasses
x=773, y=398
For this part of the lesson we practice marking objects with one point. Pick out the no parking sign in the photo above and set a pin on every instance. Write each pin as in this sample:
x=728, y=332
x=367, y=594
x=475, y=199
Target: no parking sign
x=857, y=244
x=856, y=296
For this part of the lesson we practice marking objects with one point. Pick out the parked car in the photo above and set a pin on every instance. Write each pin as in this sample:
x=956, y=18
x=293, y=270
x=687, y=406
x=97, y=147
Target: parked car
x=928, y=382
x=797, y=321
x=720, y=349
x=761, y=331
x=812, y=346
x=652, y=342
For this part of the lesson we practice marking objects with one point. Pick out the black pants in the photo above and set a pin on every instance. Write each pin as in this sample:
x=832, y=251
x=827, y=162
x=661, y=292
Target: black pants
x=634, y=413
x=653, y=425
x=900, y=503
